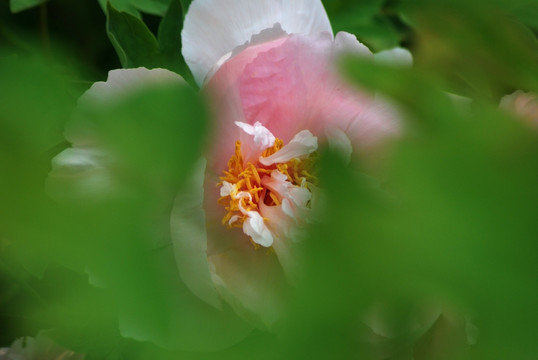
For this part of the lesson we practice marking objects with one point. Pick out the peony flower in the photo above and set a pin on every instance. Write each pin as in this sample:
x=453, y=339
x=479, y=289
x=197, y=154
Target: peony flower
x=522, y=104
x=268, y=69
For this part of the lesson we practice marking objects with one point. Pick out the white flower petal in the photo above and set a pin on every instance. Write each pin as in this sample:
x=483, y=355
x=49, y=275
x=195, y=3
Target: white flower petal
x=303, y=143
x=80, y=174
x=339, y=142
x=285, y=230
x=120, y=84
x=346, y=43
x=189, y=237
x=213, y=28
x=299, y=195
x=277, y=183
x=254, y=226
x=86, y=170
x=252, y=283
x=395, y=57
x=262, y=137
x=124, y=82
x=226, y=188
x=294, y=198
x=287, y=209
x=233, y=219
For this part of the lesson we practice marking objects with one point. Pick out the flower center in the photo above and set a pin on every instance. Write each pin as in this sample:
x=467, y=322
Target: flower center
x=248, y=188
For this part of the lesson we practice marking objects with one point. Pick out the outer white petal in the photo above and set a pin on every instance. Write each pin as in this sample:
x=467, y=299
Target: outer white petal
x=189, y=237
x=124, y=82
x=346, y=43
x=81, y=173
x=339, y=142
x=303, y=143
x=287, y=235
x=396, y=57
x=213, y=28
x=85, y=171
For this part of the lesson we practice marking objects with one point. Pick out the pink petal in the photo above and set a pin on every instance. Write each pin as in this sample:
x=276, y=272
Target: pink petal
x=289, y=85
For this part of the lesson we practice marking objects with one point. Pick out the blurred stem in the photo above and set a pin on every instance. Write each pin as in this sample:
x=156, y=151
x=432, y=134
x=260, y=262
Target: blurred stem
x=44, y=29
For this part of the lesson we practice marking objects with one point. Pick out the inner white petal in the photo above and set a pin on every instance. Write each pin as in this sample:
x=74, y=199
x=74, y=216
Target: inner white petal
x=233, y=219
x=287, y=208
x=294, y=198
x=254, y=226
x=226, y=188
x=300, y=196
x=278, y=183
x=262, y=137
x=304, y=143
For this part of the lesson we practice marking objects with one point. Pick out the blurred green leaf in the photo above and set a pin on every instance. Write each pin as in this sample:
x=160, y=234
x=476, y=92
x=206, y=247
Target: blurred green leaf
x=463, y=180
x=20, y=5
x=525, y=11
x=36, y=103
x=158, y=134
x=448, y=235
x=482, y=54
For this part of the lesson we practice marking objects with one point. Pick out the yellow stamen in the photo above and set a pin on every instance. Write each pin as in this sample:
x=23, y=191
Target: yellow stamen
x=274, y=198
x=247, y=178
x=256, y=175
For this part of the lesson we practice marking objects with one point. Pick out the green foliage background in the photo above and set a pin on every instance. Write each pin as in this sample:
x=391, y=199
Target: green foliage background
x=446, y=216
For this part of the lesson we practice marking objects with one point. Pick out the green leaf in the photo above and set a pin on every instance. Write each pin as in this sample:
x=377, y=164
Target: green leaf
x=120, y=5
x=134, y=43
x=169, y=39
x=137, y=46
x=463, y=183
x=154, y=7
x=185, y=5
x=20, y=5
x=169, y=36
